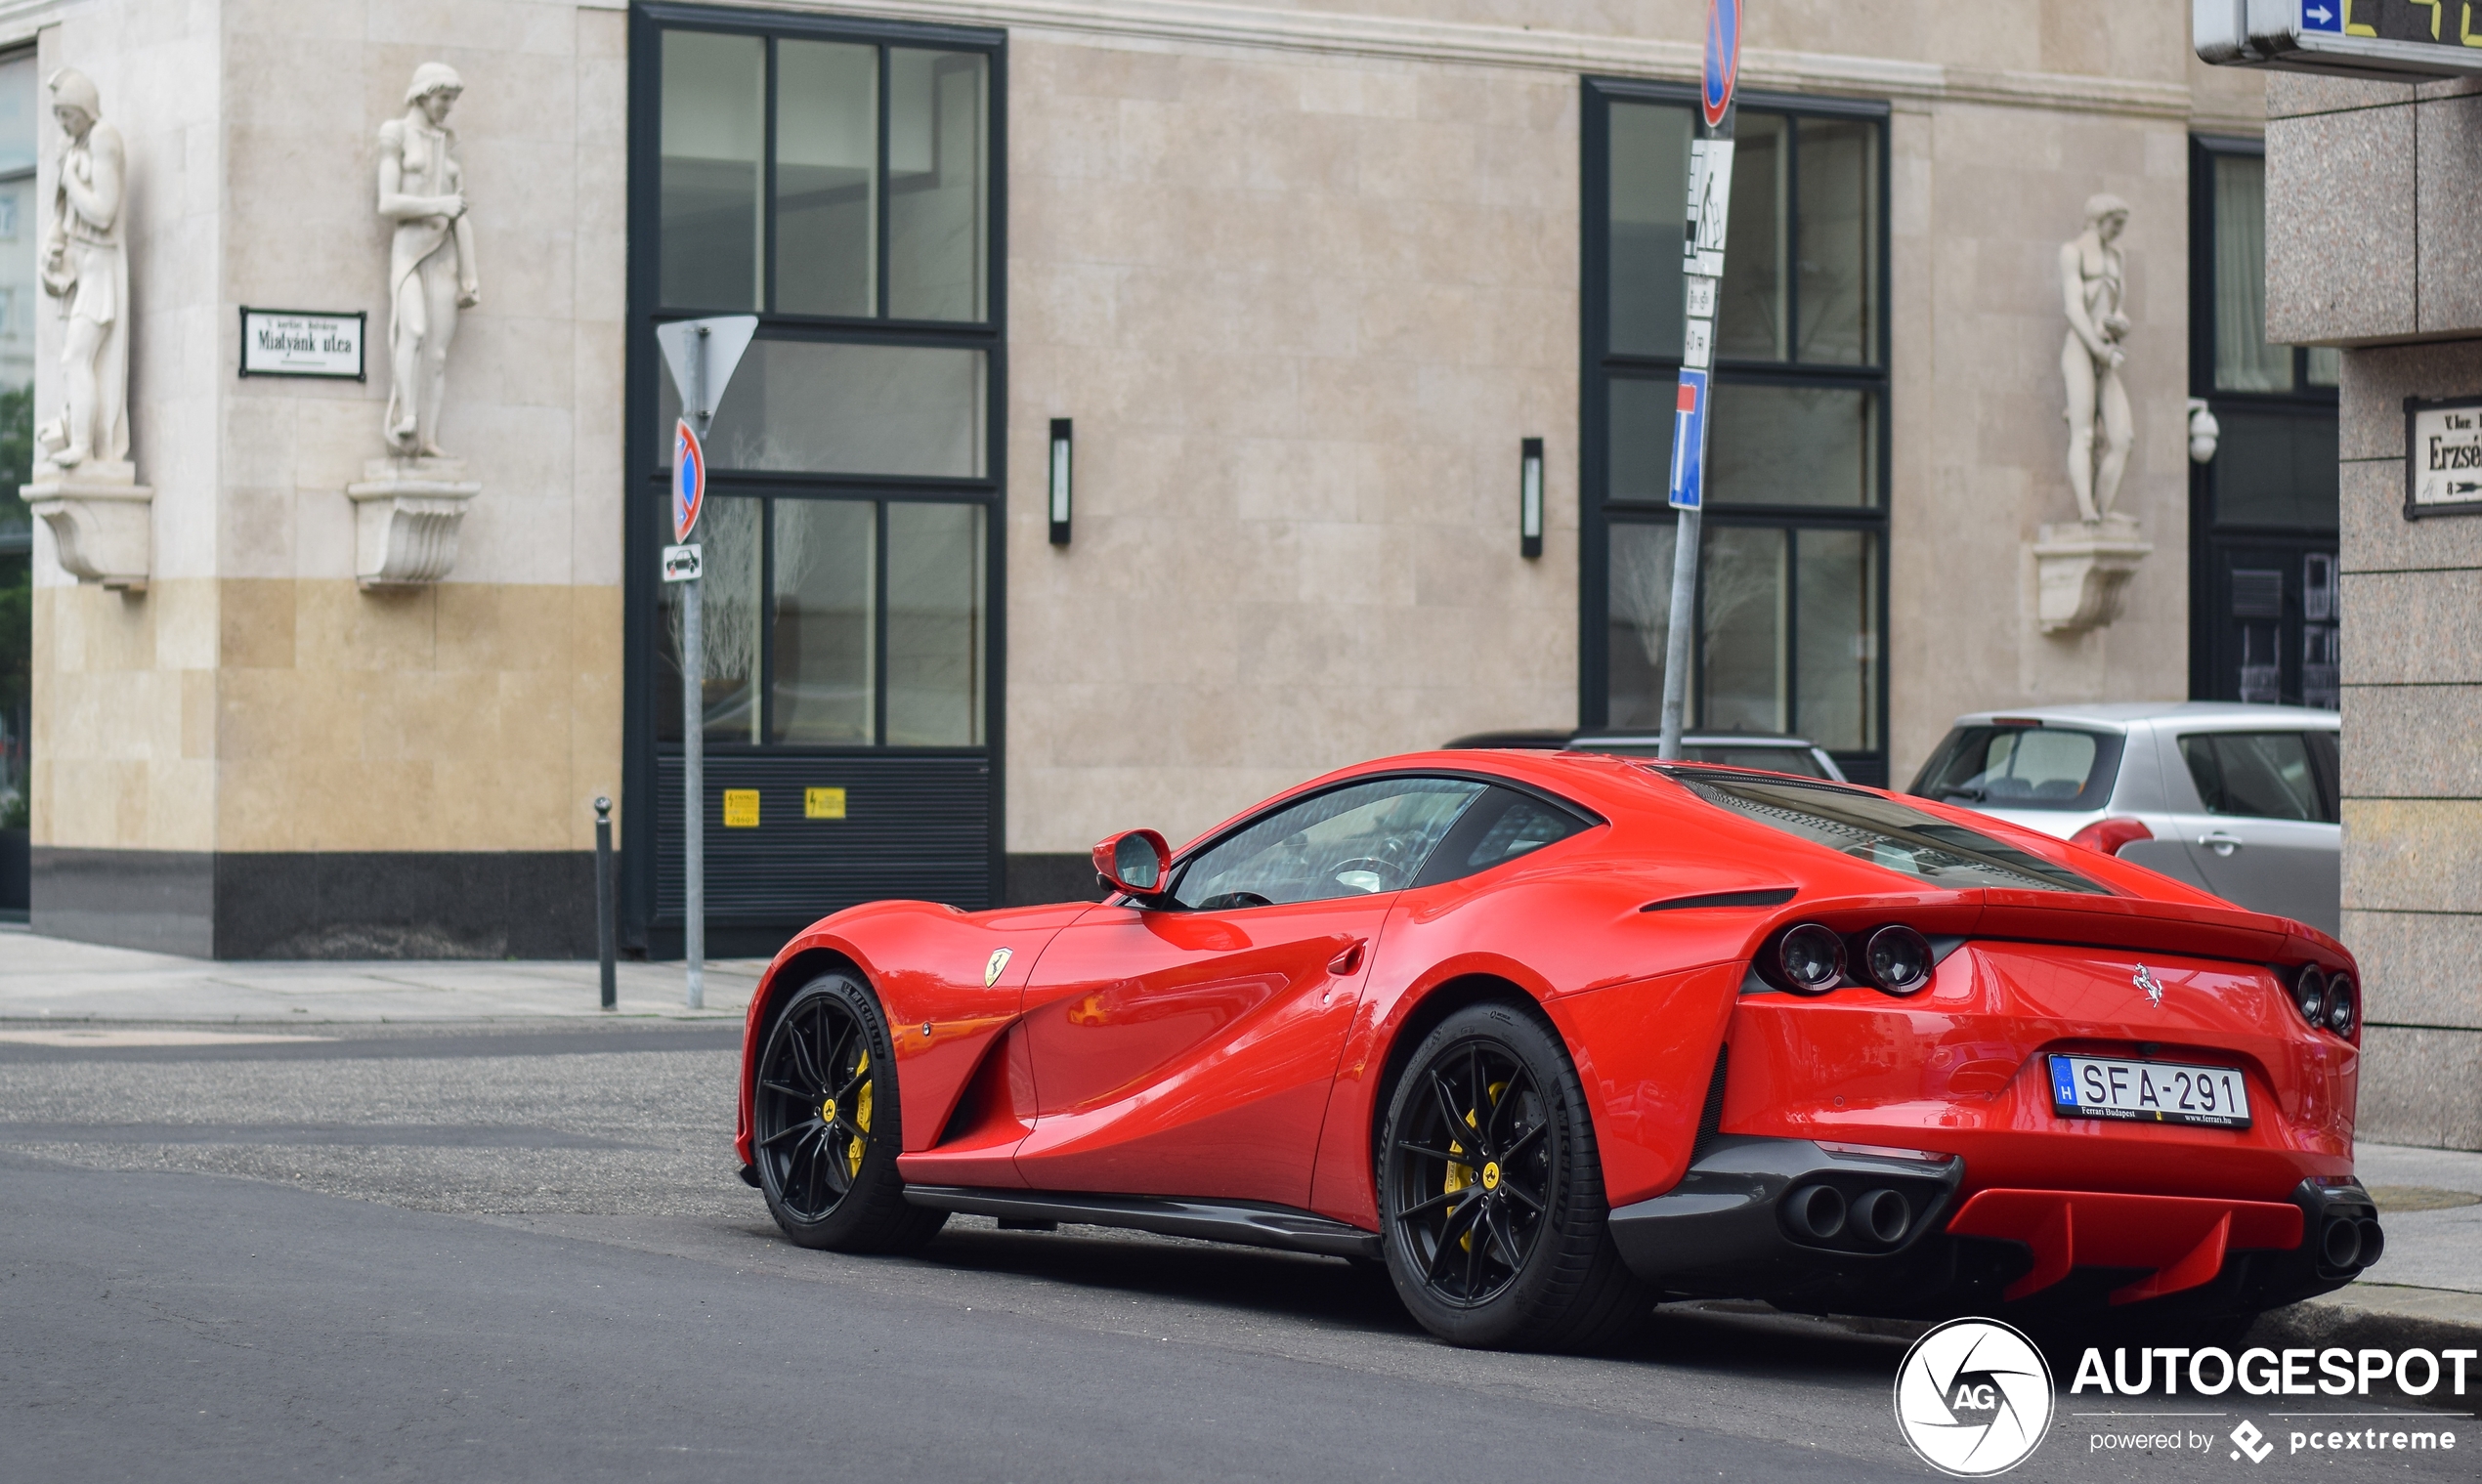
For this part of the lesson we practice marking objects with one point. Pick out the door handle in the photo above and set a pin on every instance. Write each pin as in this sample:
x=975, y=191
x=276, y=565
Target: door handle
x=1348, y=960
x=2221, y=843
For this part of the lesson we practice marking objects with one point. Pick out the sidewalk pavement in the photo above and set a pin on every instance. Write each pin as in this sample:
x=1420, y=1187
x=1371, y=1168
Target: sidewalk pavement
x=2427, y=1292
x=52, y=979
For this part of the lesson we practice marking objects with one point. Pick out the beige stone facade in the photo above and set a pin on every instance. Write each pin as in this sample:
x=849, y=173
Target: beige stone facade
x=1304, y=277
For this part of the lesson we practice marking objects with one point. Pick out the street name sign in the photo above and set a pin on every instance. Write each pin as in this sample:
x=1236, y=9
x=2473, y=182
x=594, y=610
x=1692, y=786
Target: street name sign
x=286, y=342
x=2444, y=474
x=2389, y=40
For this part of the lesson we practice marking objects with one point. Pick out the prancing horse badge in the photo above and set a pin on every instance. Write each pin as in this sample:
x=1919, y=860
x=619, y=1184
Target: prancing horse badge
x=1000, y=960
x=2152, y=985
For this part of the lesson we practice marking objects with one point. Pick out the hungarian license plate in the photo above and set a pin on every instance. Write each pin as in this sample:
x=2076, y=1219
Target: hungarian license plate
x=2152, y=1093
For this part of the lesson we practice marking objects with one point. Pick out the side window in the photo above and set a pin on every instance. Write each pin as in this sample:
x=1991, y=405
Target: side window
x=1350, y=841
x=1500, y=827
x=2331, y=774
x=2255, y=775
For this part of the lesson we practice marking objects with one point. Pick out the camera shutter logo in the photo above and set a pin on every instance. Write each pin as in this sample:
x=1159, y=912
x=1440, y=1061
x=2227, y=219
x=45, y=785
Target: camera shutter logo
x=1974, y=1397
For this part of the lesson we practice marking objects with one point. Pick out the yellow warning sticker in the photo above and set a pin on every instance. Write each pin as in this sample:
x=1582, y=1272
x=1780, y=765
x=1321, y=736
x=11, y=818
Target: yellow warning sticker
x=741, y=809
x=822, y=803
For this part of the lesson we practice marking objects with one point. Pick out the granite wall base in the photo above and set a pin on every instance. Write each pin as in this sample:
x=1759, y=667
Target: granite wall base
x=2422, y=1086
x=323, y=905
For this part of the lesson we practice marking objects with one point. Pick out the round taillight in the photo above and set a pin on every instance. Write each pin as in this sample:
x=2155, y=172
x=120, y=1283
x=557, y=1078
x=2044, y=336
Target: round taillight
x=1898, y=960
x=1811, y=958
x=2309, y=993
x=2342, y=1009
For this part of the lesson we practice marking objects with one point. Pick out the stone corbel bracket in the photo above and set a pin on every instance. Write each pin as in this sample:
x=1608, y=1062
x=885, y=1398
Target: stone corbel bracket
x=2082, y=573
x=407, y=513
x=103, y=533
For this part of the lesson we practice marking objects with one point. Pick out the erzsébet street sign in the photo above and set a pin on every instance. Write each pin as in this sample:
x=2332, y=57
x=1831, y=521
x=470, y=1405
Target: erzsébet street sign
x=2391, y=40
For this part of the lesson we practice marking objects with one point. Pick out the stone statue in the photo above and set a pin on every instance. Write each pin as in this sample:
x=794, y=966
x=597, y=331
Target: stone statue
x=2091, y=282
x=431, y=272
x=85, y=267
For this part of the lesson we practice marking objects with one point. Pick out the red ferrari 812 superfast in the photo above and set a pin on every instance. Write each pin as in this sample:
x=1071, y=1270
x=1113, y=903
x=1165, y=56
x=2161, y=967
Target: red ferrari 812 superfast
x=1557, y=1035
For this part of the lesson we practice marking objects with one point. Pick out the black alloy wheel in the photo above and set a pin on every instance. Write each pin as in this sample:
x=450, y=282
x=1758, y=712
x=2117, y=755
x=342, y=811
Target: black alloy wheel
x=1491, y=1192
x=824, y=1125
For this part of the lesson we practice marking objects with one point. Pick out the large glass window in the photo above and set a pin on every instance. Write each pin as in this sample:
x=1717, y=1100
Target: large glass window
x=1793, y=554
x=19, y=298
x=836, y=181
x=2263, y=624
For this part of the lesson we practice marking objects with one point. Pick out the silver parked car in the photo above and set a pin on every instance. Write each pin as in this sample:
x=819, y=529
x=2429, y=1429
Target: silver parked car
x=2240, y=800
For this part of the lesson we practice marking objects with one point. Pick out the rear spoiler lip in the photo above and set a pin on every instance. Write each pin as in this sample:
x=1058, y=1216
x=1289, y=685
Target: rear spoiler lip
x=2104, y=924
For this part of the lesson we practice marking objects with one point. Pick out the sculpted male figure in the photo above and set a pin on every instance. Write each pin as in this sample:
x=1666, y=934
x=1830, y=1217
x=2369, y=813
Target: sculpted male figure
x=84, y=267
x=2091, y=282
x=431, y=272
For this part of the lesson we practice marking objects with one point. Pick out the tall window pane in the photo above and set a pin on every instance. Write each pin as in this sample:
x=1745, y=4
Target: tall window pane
x=1837, y=278
x=935, y=629
x=2244, y=360
x=826, y=558
x=826, y=408
x=1649, y=189
x=19, y=298
x=1750, y=321
x=713, y=142
x=937, y=202
x=1744, y=604
x=1643, y=415
x=1793, y=445
x=1836, y=648
x=1641, y=622
x=728, y=611
x=827, y=176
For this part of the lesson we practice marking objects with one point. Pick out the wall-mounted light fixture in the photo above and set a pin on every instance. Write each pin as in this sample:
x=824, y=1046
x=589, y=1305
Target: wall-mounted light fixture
x=1059, y=481
x=1529, y=497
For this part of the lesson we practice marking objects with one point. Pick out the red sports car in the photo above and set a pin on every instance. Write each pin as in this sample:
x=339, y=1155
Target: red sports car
x=1558, y=1035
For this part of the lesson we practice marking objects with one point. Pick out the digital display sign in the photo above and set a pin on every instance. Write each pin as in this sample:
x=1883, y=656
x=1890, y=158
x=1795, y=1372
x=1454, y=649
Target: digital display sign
x=2391, y=40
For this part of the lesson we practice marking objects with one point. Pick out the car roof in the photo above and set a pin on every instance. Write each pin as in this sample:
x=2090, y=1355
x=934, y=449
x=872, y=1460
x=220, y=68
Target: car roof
x=2118, y=715
x=1693, y=739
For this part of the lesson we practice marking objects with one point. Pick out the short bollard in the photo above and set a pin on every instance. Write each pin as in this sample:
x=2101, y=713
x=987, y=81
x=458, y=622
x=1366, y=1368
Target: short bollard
x=603, y=904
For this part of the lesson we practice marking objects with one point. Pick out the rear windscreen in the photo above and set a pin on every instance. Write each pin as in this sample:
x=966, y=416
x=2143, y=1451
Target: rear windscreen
x=1995, y=767
x=1880, y=830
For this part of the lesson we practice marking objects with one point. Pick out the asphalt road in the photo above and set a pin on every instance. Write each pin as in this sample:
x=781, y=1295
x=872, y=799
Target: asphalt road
x=523, y=1254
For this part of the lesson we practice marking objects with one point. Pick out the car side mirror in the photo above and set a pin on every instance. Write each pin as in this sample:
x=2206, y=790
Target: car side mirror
x=1133, y=863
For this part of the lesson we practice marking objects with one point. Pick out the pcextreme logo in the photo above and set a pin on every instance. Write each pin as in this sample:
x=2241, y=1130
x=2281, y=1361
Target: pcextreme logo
x=1973, y=1397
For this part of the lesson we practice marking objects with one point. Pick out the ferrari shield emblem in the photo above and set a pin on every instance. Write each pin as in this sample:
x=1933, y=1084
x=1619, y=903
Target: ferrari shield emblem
x=991, y=970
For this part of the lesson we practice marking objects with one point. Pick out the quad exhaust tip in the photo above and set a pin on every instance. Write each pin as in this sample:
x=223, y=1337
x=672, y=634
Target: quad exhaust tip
x=2346, y=1243
x=1875, y=1218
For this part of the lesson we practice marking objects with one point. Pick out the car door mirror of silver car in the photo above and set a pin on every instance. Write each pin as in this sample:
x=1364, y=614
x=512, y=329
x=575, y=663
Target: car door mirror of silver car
x=1135, y=863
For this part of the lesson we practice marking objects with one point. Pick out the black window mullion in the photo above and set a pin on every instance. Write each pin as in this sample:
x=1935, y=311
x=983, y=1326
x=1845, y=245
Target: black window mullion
x=885, y=199
x=1789, y=241
x=767, y=187
x=878, y=622
x=765, y=679
x=1792, y=631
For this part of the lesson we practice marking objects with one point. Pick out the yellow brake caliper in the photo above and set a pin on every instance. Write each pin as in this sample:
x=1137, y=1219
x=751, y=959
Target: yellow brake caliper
x=861, y=1115
x=1462, y=1175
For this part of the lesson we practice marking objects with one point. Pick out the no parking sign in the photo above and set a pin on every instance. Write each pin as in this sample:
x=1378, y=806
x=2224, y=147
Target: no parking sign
x=689, y=480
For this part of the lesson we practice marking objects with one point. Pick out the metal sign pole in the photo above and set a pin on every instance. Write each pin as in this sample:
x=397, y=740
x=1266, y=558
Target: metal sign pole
x=702, y=355
x=1709, y=211
x=693, y=726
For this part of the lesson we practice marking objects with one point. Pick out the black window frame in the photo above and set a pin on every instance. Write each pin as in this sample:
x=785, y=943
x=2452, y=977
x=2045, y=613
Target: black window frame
x=2209, y=536
x=645, y=477
x=1598, y=367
